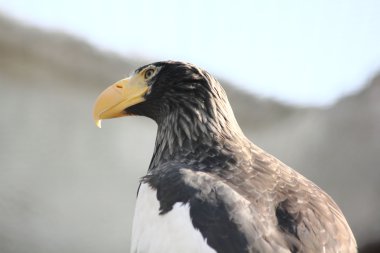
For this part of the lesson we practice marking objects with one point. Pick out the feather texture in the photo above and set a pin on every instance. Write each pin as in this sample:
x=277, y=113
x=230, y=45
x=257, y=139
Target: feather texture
x=234, y=195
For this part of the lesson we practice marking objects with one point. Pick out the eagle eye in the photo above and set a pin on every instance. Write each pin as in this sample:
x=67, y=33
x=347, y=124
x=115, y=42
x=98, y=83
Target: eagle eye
x=149, y=73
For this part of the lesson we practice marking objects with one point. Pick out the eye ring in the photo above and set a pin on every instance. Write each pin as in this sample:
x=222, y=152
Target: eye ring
x=149, y=73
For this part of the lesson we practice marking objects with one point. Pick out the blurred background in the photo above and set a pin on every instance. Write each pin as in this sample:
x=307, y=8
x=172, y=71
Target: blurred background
x=303, y=78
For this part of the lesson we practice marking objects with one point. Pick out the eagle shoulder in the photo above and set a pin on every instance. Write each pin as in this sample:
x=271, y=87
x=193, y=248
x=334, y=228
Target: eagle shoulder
x=241, y=212
x=227, y=213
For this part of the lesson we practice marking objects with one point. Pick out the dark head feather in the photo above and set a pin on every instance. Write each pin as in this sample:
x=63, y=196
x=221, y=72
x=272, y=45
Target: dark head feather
x=190, y=107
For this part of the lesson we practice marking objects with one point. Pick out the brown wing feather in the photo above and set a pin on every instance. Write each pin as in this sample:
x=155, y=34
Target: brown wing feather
x=308, y=218
x=277, y=209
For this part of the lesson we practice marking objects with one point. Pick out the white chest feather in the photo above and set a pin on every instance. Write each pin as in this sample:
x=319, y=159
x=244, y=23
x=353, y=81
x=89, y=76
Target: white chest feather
x=172, y=232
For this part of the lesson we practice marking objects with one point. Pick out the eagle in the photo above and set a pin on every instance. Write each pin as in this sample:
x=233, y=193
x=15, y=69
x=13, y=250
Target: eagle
x=208, y=188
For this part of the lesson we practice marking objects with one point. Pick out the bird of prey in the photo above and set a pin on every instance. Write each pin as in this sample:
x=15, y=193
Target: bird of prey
x=208, y=188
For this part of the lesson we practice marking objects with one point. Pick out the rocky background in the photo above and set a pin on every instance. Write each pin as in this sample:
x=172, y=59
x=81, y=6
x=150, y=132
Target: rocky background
x=66, y=186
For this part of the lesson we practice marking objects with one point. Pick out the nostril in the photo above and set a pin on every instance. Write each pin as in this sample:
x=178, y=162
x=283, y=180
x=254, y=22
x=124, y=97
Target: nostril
x=119, y=86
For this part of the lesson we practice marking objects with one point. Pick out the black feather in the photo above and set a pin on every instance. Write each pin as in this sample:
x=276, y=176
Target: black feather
x=241, y=198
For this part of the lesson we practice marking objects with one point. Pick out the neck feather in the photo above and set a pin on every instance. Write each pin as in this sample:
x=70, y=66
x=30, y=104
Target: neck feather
x=194, y=128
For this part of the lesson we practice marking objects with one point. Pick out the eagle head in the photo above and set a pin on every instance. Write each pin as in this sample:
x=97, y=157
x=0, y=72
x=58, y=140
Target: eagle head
x=167, y=90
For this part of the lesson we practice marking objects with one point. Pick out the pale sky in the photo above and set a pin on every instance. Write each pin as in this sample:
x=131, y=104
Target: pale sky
x=308, y=52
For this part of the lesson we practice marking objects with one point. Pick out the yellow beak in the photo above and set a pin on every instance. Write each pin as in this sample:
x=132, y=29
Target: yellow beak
x=112, y=102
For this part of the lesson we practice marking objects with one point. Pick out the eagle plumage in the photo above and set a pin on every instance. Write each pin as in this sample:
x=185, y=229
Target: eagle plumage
x=204, y=172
